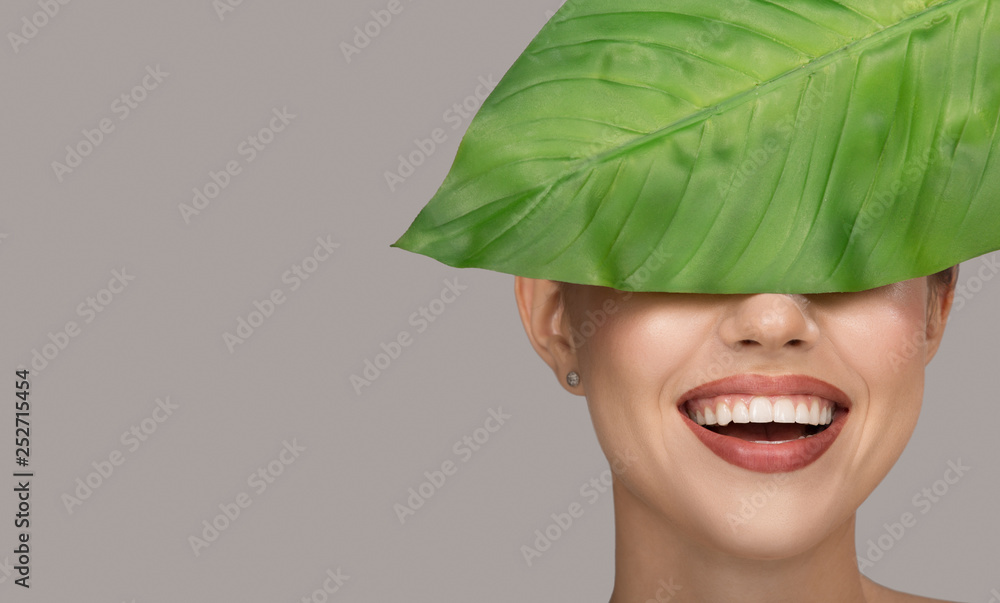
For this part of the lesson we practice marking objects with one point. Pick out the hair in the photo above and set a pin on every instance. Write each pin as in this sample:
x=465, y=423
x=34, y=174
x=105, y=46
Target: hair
x=944, y=279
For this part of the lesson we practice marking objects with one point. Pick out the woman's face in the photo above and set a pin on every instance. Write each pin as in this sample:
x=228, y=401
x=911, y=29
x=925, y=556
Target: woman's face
x=753, y=489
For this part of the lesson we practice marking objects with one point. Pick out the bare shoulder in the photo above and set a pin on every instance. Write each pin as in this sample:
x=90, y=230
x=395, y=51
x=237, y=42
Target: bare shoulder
x=876, y=593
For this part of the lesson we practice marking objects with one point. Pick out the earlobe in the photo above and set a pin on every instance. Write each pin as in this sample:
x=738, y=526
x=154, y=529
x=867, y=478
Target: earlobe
x=540, y=304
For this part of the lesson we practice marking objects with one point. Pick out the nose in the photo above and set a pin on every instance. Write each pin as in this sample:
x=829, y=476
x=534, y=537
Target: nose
x=770, y=321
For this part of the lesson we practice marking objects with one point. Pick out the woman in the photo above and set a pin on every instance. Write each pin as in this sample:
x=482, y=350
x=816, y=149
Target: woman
x=760, y=504
x=731, y=226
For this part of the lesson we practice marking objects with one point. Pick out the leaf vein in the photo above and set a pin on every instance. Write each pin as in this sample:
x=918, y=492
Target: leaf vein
x=596, y=79
x=697, y=17
x=649, y=44
x=804, y=70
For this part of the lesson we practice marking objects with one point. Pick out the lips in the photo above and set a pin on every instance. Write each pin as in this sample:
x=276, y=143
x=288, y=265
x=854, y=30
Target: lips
x=767, y=424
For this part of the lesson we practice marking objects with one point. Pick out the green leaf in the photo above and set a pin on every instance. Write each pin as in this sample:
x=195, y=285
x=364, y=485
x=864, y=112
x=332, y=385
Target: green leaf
x=733, y=147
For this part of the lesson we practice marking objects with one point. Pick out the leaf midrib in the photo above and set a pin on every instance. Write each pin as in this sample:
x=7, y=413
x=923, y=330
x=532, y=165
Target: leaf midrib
x=803, y=70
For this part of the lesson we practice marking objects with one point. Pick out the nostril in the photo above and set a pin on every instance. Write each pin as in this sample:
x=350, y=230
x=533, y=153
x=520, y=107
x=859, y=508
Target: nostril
x=754, y=325
x=792, y=343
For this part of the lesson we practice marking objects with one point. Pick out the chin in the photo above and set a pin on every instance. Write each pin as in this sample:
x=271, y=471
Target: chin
x=709, y=502
x=768, y=518
x=778, y=529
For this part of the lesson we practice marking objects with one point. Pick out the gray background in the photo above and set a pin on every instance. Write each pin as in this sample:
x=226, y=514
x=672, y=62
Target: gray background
x=333, y=507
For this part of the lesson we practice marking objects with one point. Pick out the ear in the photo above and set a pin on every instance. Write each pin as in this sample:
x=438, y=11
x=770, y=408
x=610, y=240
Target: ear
x=937, y=314
x=543, y=314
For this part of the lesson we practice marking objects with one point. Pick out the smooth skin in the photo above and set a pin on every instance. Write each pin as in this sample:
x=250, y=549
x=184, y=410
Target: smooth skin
x=689, y=526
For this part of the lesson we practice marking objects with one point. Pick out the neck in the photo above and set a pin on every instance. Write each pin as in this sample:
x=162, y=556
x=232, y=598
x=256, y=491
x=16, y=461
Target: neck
x=657, y=562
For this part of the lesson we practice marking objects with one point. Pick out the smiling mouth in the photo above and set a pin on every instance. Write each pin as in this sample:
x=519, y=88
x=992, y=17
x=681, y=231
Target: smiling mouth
x=766, y=423
x=762, y=419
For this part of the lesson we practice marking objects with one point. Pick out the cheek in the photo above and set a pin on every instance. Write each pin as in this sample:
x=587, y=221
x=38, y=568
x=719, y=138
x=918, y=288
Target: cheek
x=638, y=351
x=885, y=342
x=628, y=365
x=885, y=345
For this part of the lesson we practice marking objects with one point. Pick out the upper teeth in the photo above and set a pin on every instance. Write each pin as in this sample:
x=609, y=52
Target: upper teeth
x=746, y=408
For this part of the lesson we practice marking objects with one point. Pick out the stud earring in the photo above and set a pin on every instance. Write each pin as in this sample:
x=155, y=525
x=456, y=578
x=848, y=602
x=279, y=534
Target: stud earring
x=573, y=378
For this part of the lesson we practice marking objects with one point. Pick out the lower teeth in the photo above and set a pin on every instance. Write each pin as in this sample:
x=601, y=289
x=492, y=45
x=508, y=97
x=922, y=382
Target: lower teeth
x=780, y=441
